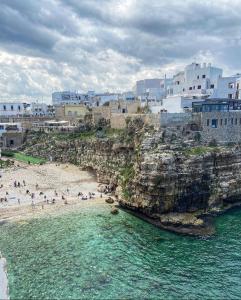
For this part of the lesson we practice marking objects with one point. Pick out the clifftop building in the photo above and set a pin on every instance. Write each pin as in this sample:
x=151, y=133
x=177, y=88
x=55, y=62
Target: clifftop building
x=195, y=80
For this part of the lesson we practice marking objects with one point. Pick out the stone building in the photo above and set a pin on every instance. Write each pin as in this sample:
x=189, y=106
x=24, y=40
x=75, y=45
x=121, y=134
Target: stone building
x=11, y=135
x=221, y=126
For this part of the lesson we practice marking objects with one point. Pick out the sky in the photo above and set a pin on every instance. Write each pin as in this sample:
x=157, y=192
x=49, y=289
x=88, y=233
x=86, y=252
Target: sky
x=106, y=45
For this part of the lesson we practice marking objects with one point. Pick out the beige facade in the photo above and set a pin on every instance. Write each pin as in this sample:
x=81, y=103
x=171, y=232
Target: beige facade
x=119, y=121
x=73, y=113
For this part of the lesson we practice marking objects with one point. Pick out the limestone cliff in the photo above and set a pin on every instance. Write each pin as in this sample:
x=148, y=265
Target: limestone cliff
x=171, y=184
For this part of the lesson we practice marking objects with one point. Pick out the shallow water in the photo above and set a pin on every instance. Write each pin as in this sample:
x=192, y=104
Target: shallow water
x=94, y=255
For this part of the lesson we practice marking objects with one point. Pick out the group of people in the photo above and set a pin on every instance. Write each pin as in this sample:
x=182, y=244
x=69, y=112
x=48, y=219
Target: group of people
x=39, y=195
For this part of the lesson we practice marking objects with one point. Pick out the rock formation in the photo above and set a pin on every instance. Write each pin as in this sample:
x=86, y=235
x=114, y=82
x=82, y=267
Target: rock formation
x=158, y=176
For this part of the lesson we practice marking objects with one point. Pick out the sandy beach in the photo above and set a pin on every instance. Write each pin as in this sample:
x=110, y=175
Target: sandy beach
x=50, y=182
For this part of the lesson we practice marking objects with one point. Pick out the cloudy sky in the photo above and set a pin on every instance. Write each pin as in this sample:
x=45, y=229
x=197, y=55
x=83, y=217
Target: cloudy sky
x=48, y=45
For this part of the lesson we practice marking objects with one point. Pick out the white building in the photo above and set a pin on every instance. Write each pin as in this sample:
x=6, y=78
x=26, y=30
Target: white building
x=41, y=109
x=8, y=109
x=195, y=80
x=228, y=88
x=152, y=90
x=6, y=127
x=127, y=96
x=67, y=97
x=101, y=99
x=175, y=104
x=143, y=85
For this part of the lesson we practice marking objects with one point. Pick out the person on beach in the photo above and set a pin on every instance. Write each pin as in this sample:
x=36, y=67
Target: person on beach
x=24, y=183
x=19, y=184
x=36, y=186
x=15, y=183
x=19, y=201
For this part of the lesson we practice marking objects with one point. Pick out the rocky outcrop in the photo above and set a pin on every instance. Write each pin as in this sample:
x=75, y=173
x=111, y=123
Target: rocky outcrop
x=175, y=185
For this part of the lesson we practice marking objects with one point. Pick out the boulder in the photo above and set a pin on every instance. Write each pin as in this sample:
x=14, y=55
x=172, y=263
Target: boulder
x=114, y=211
x=109, y=200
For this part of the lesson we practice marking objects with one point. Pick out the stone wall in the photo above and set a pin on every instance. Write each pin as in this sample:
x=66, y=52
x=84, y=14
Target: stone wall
x=12, y=139
x=224, y=127
x=174, y=119
x=118, y=121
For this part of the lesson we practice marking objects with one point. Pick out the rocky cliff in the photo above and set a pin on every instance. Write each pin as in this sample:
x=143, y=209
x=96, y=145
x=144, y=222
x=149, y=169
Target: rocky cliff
x=171, y=184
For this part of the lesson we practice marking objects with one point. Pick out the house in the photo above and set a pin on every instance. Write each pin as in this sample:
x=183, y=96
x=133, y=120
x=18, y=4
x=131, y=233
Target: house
x=11, y=135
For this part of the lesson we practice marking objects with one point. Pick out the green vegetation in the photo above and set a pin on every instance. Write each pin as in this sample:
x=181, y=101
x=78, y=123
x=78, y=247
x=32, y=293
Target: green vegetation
x=126, y=175
x=201, y=150
x=23, y=157
x=5, y=163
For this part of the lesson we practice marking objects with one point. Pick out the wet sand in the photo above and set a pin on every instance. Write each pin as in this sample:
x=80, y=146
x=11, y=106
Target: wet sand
x=67, y=180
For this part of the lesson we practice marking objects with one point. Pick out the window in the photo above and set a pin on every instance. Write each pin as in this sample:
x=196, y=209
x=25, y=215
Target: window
x=240, y=121
x=212, y=86
x=1, y=127
x=194, y=87
x=225, y=122
x=207, y=122
x=183, y=90
x=190, y=88
x=19, y=108
x=199, y=87
x=230, y=96
x=4, y=107
x=232, y=121
x=236, y=121
x=231, y=85
x=221, y=122
x=214, y=123
x=197, y=76
x=204, y=76
x=11, y=107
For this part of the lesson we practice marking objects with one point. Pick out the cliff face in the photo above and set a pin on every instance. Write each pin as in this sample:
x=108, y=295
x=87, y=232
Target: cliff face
x=161, y=181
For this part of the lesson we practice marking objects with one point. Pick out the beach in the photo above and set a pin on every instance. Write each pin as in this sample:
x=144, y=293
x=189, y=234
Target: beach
x=45, y=189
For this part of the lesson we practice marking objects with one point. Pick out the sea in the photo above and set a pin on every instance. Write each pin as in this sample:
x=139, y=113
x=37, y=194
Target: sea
x=91, y=254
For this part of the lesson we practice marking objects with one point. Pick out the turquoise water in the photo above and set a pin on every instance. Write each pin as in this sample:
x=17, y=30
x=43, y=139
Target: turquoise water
x=95, y=255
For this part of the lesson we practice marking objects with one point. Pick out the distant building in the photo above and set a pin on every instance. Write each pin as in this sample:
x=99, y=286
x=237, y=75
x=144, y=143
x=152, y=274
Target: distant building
x=41, y=109
x=67, y=97
x=11, y=135
x=152, y=90
x=195, y=80
x=8, y=109
x=228, y=87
